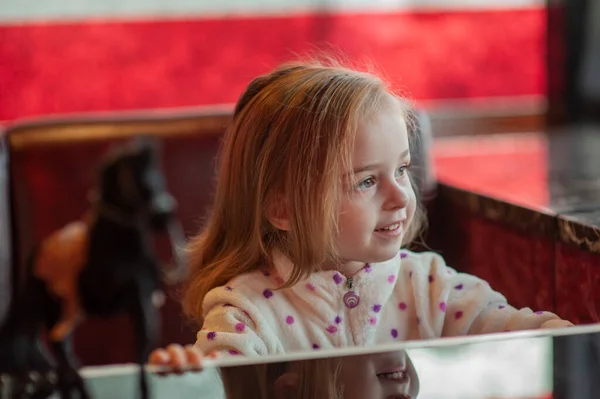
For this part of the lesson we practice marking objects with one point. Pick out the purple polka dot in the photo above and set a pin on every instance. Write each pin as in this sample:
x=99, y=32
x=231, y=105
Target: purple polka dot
x=228, y=288
x=372, y=320
x=403, y=255
x=332, y=329
x=376, y=308
x=337, y=278
x=539, y=312
x=315, y=346
x=267, y=293
x=266, y=273
x=402, y=306
x=368, y=268
x=310, y=286
x=240, y=327
x=458, y=315
x=394, y=333
x=391, y=278
x=459, y=287
x=430, y=278
x=410, y=274
x=443, y=306
x=338, y=319
x=233, y=352
x=289, y=320
x=418, y=321
x=501, y=307
x=211, y=335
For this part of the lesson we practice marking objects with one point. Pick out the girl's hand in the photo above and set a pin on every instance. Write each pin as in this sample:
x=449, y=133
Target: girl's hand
x=178, y=358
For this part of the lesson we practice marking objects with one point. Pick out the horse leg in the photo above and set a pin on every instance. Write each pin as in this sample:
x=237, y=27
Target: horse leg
x=146, y=322
x=23, y=357
x=67, y=375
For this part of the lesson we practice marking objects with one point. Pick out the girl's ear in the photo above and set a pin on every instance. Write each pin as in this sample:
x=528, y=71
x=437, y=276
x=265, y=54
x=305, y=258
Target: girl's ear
x=286, y=386
x=278, y=215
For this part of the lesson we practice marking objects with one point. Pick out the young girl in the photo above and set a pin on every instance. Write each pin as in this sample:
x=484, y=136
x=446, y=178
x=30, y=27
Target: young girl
x=313, y=204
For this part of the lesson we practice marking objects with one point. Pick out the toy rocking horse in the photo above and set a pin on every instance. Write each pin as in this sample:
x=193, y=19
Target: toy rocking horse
x=99, y=266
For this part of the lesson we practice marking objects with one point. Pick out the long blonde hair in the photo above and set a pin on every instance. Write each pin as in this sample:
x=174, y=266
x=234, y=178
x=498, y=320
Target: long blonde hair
x=290, y=141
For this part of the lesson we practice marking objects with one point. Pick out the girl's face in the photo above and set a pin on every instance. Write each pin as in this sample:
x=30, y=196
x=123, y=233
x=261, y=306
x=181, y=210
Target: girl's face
x=388, y=375
x=380, y=205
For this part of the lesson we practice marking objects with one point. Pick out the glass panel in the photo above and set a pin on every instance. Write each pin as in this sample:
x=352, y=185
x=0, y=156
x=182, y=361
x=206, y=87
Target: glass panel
x=531, y=364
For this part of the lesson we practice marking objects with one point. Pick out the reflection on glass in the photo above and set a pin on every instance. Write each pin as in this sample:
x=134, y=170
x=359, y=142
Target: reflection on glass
x=381, y=375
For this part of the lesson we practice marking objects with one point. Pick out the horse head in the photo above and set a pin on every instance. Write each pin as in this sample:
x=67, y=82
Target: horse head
x=132, y=193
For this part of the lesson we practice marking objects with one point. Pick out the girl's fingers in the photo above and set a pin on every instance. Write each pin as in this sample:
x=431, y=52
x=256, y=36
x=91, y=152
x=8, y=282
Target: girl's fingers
x=178, y=359
x=159, y=357
x=194, y=357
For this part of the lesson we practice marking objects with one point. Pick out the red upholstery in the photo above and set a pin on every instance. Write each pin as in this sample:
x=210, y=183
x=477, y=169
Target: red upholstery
x=53, y=167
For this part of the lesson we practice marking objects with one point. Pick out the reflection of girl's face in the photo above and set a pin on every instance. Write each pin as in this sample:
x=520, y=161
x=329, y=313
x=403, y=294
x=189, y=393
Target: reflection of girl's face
x=388, y=375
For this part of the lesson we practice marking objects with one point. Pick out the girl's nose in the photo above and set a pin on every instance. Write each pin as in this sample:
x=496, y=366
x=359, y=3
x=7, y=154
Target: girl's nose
x=397, y=195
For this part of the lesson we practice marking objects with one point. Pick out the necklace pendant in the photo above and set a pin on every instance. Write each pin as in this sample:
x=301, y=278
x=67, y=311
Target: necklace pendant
x=351, y=300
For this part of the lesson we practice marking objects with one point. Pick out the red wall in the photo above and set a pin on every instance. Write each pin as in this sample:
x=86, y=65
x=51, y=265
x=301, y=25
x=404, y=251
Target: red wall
x=92, y=66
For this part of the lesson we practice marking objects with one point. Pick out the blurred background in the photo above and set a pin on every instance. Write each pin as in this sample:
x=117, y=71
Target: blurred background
x=518, y=193
x=61, y=57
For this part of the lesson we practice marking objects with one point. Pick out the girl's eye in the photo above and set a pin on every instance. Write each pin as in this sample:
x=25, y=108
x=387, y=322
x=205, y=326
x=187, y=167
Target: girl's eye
x=366, y=183
x=401, y=171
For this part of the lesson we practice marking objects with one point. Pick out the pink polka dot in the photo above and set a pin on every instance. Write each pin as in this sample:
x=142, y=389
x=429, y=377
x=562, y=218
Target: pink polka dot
x=233, y=352
x=402, y=306
x=332, y=329
x=372, y=320
x=289, y=320
x=279, y=280
x=403, y=255
x=240, y=327
x=310, y=286
x=391, y=278
x=458, y=315
x=443, y=306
